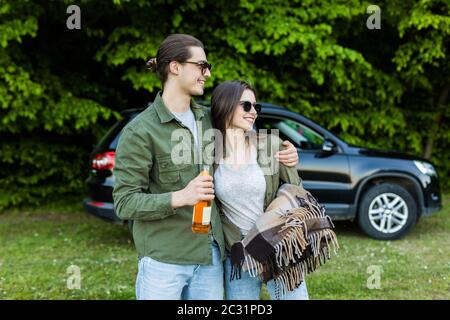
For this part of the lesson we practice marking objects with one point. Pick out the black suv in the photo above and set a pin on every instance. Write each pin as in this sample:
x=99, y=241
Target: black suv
x=386, y=192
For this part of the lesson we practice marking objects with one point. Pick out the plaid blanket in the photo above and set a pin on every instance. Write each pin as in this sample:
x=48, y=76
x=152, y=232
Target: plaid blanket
x=290, y=240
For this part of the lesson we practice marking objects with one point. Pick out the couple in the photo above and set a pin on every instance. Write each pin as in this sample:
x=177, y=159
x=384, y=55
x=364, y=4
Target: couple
x=158, y=194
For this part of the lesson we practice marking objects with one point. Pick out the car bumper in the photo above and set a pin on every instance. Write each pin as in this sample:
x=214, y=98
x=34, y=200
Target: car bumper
x=429, y=211
x=102, y=210
x=432, y=195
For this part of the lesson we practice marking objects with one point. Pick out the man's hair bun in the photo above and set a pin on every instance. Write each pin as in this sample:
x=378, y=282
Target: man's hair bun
x=151, y=64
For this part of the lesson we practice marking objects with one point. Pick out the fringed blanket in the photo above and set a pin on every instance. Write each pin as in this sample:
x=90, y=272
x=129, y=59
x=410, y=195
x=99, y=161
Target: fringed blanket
x=290, y=240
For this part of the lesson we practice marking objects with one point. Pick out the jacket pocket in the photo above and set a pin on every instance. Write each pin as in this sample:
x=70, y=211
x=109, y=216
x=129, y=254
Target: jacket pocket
x=168, y=172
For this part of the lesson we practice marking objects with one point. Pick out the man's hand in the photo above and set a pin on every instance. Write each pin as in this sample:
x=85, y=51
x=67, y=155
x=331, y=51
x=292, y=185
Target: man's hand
x=199, y=189
x=288, y=156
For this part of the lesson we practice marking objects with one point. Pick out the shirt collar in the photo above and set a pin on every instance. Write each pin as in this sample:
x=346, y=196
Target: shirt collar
x=165, y=115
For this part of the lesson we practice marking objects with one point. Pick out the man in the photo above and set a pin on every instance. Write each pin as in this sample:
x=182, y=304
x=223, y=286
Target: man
x=158, y=194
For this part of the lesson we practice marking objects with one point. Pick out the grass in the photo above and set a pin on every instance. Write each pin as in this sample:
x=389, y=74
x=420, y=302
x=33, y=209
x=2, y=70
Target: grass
x=37, y=246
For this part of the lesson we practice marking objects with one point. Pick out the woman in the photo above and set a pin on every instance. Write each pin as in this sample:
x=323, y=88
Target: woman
x=246, y=179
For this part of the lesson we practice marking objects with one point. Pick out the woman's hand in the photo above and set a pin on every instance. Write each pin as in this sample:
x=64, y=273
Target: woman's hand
x=288, y=156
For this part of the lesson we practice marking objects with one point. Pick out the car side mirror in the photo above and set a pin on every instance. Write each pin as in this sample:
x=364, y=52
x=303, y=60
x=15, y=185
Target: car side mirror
x=328, y=146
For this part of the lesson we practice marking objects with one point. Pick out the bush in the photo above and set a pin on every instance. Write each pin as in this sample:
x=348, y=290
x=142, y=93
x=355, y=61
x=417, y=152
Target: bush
x=60, y=88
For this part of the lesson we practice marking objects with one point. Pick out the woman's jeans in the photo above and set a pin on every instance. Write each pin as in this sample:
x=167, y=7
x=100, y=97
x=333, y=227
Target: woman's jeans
x=164, y=281
x=249, y=288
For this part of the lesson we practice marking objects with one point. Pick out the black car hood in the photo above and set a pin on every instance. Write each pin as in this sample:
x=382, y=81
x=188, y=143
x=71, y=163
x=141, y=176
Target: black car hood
x=387, y=154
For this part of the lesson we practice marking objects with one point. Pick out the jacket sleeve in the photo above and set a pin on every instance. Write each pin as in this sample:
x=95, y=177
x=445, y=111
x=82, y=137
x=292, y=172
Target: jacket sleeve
x=133, y=163
x=287, y=174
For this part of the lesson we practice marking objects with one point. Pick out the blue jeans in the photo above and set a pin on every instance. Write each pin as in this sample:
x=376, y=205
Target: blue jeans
x=249, y=288
x=164, y=281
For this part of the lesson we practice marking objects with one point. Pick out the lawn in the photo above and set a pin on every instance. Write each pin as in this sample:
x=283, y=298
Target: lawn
x=39, y=246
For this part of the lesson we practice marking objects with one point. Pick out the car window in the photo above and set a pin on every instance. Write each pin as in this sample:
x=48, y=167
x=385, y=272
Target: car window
x=300, y=135
x=115, y=141
x=113, y=144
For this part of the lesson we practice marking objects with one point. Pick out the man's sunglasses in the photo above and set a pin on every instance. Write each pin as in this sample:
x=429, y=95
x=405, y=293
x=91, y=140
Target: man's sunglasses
x=247, y=106
x=202, y=64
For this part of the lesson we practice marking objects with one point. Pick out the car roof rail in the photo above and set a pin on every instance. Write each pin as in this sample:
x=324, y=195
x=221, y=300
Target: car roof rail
x=127, y=112
x=205, y=103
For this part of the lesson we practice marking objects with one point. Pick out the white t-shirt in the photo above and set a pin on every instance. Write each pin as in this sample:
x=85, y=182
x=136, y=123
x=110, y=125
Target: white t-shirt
x=188, y=119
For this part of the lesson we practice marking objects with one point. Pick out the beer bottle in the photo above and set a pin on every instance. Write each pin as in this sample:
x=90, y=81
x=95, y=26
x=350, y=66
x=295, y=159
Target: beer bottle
x=201, y=217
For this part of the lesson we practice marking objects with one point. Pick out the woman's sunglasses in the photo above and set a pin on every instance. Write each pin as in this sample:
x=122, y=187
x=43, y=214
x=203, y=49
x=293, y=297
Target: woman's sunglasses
x=202, y=64
x=247, y=106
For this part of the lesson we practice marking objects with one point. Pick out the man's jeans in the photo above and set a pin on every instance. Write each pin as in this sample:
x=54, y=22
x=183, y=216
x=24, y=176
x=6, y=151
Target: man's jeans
x=164, y=281
x=249, y=288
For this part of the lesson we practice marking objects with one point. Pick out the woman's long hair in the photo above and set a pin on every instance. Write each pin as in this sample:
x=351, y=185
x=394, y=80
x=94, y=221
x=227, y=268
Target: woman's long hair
x=224, y=101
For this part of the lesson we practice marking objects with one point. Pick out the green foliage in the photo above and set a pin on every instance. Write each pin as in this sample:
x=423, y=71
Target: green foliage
x=379, y=88
x=48, y=170
x=41, y=113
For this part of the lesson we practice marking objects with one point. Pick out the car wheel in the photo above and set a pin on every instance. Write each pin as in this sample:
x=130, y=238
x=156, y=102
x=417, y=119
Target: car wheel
x=387, y=211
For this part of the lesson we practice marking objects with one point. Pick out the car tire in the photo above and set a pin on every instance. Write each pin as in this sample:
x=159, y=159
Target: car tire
x=387, y=212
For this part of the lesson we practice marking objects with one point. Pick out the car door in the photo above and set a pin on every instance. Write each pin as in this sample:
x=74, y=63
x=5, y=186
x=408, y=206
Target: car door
x=325, y=174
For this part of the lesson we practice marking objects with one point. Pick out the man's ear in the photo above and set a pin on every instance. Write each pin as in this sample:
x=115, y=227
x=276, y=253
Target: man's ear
x=174, y=67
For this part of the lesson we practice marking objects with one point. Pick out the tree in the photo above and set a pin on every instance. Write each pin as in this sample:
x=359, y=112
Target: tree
x=60, y=89
x=423, y=65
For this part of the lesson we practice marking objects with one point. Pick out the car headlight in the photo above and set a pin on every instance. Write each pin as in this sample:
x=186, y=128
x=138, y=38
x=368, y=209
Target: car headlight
x=425, y=168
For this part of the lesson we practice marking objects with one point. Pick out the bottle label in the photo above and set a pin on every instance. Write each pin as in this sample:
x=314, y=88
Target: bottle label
x=206, y=216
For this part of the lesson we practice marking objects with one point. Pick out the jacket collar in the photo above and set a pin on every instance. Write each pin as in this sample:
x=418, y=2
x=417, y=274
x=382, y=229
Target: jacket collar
x=165, y=115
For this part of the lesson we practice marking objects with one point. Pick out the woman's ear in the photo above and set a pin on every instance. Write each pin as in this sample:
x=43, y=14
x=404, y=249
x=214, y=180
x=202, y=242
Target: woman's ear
x=174, y=67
